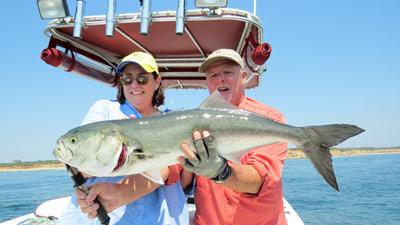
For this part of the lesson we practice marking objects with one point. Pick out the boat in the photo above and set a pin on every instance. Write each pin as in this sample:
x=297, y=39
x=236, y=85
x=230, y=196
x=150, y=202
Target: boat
x=48, y=212
x=92, y=46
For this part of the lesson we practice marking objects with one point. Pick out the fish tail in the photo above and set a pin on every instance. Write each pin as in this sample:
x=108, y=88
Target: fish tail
x=318, y=148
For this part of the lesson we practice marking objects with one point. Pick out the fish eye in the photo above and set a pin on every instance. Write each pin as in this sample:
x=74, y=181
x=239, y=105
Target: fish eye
x=73, y=140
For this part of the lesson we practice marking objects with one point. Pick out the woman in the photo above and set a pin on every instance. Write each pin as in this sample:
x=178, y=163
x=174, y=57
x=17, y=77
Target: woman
x=140, y=198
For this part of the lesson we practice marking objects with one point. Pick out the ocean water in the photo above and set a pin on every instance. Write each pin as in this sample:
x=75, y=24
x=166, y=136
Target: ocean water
x=21, y=192
x=369, y=191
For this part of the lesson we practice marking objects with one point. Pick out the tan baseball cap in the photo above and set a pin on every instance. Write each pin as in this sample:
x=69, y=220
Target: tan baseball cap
x=220, y=54
x=145, y=60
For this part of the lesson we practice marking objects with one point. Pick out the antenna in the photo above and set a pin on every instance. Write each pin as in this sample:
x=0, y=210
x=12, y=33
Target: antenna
x=255, y=7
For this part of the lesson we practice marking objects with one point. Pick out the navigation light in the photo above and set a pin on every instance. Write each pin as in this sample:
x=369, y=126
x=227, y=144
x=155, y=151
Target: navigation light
x=53, y=9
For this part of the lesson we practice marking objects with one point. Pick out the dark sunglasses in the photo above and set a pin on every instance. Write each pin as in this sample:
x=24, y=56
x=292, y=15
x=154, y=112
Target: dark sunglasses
x=141, y=79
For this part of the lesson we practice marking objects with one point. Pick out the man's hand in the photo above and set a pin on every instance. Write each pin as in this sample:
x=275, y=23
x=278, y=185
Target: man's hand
x=204, y=160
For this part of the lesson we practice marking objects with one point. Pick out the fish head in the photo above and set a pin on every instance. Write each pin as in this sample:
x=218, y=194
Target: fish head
x=96, y=149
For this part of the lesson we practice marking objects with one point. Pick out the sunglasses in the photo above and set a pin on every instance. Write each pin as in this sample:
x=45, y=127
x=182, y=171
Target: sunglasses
x=141, y=79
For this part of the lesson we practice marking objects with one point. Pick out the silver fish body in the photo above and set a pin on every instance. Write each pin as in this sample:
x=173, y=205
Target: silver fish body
x=123, y=147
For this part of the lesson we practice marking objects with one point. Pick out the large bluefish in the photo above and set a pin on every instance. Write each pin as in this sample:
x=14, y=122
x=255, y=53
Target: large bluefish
x=123, y=147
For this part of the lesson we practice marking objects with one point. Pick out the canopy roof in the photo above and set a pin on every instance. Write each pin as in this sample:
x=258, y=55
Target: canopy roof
x=178, y=56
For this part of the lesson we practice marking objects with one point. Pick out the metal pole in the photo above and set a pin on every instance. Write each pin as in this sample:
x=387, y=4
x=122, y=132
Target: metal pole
x=78, y=20
x=180, y=17
x=255, y=7
x=110, y=19
x=145, y=17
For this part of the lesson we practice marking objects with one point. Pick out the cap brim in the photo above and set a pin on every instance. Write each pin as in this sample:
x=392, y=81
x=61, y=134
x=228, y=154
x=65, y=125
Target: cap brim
x=203, y=67
x=121, y=66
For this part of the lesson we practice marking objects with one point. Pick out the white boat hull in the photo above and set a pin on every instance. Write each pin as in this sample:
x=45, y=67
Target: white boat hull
x=53, y=209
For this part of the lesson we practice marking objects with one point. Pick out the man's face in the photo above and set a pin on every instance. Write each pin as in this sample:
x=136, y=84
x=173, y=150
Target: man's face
x=228, y=78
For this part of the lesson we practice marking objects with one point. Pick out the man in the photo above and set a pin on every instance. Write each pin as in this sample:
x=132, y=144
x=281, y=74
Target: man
x=227, y=192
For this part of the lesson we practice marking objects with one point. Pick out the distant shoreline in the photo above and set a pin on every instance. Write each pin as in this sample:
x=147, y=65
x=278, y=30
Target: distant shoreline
x=292, y=154
x=298, y=153
x=15, y=168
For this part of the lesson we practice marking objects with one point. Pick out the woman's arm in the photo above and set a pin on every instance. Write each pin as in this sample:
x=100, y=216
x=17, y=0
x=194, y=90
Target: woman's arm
x=115, y=195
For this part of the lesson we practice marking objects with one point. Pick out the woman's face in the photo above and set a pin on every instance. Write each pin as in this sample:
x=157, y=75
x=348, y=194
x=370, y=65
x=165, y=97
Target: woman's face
x=137, y=92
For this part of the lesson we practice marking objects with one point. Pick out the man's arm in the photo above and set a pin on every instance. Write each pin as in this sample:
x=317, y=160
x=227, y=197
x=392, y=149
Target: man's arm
x=244, y=178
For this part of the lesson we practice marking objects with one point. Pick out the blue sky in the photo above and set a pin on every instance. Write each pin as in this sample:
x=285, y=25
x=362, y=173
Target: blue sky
x=332, y=62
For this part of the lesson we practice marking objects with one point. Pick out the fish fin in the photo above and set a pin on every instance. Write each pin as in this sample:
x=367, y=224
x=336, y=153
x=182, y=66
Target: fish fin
x=321, y=158
x=215, y=100
x=154, y=175
x=317, y=149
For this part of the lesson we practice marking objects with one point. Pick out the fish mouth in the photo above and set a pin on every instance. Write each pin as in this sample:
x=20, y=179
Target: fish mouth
x=62, y=151
x=122, y=157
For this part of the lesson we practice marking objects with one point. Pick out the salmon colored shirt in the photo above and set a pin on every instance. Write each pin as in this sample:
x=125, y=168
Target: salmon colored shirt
x=219, y=205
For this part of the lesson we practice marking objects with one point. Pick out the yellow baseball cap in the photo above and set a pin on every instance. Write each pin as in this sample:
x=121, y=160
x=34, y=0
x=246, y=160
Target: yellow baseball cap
x=221, y=54
x=145, y=60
